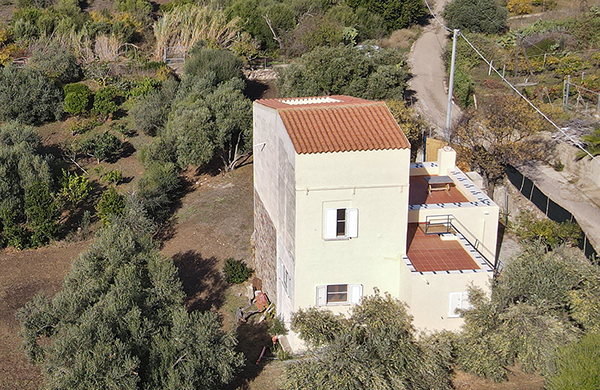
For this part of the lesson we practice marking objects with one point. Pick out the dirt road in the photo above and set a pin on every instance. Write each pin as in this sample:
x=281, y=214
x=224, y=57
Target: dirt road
x=429, y=74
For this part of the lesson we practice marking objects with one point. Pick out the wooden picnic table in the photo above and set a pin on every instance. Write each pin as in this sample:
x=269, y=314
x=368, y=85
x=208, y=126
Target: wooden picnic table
x=436, y=183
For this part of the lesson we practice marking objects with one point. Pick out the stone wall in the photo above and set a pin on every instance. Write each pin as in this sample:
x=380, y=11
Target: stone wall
x=265, y=253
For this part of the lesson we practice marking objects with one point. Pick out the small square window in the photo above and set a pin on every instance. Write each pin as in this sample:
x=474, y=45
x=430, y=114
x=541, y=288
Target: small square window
x=341, y=223
x=339, y=294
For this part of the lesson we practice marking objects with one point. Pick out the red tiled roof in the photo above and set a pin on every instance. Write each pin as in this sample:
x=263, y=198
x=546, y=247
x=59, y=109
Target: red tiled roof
x=338, y=124
x=427, y=252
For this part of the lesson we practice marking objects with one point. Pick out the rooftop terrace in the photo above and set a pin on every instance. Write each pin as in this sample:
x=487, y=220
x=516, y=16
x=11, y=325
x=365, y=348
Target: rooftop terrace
x=431, y=253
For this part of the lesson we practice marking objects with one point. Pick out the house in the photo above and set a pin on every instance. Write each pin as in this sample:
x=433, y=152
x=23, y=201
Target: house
x=339, y=210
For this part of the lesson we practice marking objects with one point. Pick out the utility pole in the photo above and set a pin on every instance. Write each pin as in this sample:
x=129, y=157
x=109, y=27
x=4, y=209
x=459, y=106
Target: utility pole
x=451, y=85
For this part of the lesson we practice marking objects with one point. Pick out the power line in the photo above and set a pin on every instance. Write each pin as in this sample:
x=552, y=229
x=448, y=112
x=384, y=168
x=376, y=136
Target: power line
x=529, y=101
x=575, y=142
x=436, y=18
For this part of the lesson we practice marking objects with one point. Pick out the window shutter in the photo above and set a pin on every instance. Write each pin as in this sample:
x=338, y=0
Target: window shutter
x=321, y=295
x=455, y=303
x=356, y=292
x=352, y=222
x=330, y=223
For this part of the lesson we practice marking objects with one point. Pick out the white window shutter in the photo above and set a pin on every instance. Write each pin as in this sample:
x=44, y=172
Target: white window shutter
x=356, y=292
x=455, y=303
x=321, y=295
x=352, y=222
x=330, y=223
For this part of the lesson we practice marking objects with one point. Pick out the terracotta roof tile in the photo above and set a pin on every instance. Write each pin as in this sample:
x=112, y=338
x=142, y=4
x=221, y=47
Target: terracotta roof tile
x=338, y=124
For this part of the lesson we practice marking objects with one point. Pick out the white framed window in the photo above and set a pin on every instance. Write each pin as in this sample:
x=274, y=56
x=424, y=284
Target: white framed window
x=284, y=278
x=339, y=294
x=286, y=281
x=341, y=223
x=458, y=300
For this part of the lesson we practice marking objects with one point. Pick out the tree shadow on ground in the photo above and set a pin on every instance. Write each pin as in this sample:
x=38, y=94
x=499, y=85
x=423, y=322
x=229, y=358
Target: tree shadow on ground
x=202, y=280
x=252, y=337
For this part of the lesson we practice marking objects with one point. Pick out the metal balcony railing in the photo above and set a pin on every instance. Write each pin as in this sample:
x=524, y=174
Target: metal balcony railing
x=447, y=223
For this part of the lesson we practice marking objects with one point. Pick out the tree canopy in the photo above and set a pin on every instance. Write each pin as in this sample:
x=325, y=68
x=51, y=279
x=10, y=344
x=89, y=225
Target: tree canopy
x=119, y=322
x=28, y=96
x=28, y=213
x=375, y=348
x=367, y=72
x=504, y=131
x=537, y=307
x=395, y=13
x=478, y=16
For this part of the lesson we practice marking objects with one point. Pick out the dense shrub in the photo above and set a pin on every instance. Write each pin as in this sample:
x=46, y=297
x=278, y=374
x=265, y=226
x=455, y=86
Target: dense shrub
x=106, y=102
x=236, y=271
x=479, y=16
x=103, y=146
x=396, y=14
x=578, y=366
x=149, y=113
x=214, y=65
x=28, y=212
x=56, y=62
x=551, y=233
x=367, y=72
x=28, y=96
x=77, y=98
x=110, y=205
x=158, y=189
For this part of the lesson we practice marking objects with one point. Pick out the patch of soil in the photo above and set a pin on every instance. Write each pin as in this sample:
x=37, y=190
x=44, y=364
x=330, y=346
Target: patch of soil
x=25, y=274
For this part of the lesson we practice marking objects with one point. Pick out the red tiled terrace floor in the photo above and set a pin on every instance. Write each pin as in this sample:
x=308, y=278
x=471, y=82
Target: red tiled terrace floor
x=418, y=193
x=428, y=252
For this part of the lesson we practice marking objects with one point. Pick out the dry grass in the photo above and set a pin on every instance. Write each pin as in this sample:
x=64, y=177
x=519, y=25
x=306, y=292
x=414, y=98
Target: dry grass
x=185, y=25
x=401, y=39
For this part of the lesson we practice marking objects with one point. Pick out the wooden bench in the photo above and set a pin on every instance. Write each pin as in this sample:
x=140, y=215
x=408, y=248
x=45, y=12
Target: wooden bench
x=437, y=183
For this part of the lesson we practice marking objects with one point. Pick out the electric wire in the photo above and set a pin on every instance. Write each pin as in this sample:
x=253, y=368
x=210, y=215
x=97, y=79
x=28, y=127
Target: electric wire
x=574, y=141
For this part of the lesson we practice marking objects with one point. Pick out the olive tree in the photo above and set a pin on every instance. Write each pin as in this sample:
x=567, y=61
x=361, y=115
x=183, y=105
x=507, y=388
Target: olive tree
x=375, y=348
x=208, y=123
x=478, y=16
x=28, y=96
x=367, y=72
x=120, y=322
x=528, y=317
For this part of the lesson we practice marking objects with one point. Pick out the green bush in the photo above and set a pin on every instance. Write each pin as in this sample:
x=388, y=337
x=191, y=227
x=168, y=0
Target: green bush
x=111, y=204
x=550, y=233
x=56, y=62
x=77, y=98
x=74, y=188
x=150, y=112
x=236, y=271
x=104, y=146
x=28, y=96
x=158, y=189
x=578, y=366
x=105, y=102
x=113, y=177
x=42, y=213
x=213, y=64
x=479, y=16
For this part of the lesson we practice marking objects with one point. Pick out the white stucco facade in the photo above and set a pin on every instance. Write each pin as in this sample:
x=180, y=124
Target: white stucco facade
x=301, y=191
